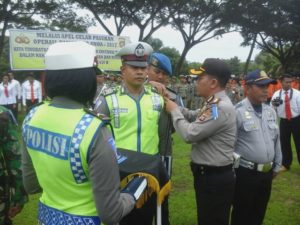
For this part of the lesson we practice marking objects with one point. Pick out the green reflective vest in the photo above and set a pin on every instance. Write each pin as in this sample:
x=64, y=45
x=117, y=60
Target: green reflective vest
x=58, y=140
x=135, y=122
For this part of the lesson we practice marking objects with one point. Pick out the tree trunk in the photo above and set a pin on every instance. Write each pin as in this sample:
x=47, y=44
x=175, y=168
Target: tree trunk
x=186, y=49
x=2, y=37
x=250, y=55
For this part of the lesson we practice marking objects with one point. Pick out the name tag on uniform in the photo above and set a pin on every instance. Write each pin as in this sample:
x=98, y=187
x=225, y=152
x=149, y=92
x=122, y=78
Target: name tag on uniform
x=119, y=110
x=250, y=125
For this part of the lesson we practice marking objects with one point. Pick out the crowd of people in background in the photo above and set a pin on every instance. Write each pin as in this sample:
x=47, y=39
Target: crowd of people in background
x=185, y=86
x=15, y=95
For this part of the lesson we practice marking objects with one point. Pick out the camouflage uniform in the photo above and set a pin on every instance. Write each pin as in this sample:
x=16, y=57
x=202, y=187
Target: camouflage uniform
x=183, y=91
x=173, y=84
x=235, y=94
x=12, y=192
x=197, y=101
x=190, y=94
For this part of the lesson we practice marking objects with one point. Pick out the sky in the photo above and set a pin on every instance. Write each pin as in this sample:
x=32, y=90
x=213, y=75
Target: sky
x=224, y=47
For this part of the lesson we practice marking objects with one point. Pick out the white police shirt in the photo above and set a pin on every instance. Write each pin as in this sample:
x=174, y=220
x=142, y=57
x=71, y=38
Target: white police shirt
x=257, y=137
x=11, y=98
x=294, y=96
x=26, y=91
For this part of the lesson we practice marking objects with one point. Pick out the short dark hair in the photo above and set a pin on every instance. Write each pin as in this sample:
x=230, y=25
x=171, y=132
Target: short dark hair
x=286, y=75
x=77, y=84
x=4, y=75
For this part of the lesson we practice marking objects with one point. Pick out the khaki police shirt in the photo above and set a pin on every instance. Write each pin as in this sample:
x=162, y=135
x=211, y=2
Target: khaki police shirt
x=103, y=174
x=212, y=139
x=257, y=135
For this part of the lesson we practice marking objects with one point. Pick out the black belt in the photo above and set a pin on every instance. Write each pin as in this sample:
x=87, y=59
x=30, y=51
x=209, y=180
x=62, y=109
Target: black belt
x=204, y=169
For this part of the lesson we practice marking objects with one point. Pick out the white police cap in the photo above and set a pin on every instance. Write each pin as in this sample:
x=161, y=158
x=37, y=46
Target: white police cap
x=135, y=54
x=70, y=55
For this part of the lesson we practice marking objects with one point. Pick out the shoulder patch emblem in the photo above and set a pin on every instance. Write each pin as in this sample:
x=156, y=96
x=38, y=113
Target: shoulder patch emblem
x=206, y=114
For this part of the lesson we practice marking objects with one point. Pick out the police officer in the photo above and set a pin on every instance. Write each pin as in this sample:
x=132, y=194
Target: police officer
x=70, y=155
x=234, y=91
x=12, y=193
x=101, y=85
x=118, y=79
x=159, y=69
x=135, y=110
x=197, y=101
x=100, y=81
x=173, y=83
x=183, y=89
x=211, y=131
x=258, y=144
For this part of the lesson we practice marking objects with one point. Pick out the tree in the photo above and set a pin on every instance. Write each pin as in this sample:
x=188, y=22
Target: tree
x=38, y=14
x=147, y=15
x=267, y=62
x=102, y=10
x=272, y=24
x=4, y=61
x=156, y=43
x=234, y=65
x=197, y=21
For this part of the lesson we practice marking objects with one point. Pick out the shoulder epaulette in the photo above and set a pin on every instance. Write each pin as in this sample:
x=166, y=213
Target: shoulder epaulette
x=171, y=90
x=109, y=91
x=153, y=89
x=172, y=94
x=149, y=88
x=212, y=100
x=97, y=115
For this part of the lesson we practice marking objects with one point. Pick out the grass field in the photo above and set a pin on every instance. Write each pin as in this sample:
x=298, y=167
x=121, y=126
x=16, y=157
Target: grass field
x=283, y=209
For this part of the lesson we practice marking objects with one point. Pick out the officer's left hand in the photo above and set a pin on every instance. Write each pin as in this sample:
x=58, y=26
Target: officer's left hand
x=13, y=211
x=170, y=105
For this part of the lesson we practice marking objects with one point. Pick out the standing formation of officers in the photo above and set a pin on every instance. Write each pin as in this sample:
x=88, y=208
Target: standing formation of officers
x=71, y=156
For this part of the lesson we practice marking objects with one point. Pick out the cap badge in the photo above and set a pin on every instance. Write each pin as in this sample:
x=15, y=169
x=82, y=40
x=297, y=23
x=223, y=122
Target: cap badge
x=263, y=74
x=139, y=50
x=154, y=62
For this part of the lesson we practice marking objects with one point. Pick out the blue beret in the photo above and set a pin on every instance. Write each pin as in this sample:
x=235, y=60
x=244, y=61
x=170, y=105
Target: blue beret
x=161, y=62
x=259, y=77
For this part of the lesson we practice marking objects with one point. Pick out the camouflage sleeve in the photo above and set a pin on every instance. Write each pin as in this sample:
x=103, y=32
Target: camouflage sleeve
x=12, y=156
